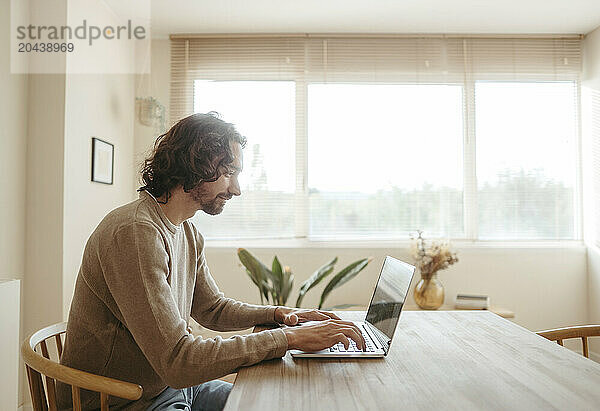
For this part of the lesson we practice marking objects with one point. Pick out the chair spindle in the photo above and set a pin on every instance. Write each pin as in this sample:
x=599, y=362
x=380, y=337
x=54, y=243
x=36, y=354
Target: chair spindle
x=59, y=347
x=103, y=401
x=76, y=398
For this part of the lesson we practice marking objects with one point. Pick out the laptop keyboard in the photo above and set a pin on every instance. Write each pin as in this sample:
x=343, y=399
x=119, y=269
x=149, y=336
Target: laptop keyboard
x=339, y=347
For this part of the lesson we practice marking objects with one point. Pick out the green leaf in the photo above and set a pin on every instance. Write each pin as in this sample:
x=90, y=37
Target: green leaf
x=289, y=283
x=253, y=278
x=277, y=278
x=263, y=287
x=343, y=277
x=257, y=271
x=260, y=287
x=315, y=279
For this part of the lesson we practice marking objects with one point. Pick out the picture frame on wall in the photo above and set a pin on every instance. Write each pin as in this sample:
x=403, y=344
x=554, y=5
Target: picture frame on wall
x=103, y=158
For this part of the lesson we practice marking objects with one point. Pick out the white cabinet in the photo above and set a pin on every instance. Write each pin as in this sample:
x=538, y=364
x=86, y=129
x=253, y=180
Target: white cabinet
x=9, y=343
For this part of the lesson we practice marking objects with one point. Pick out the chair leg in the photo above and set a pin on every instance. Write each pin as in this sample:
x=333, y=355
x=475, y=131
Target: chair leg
x=586, y=353
x=76, y=398
x=36, y=388
x=103, y=402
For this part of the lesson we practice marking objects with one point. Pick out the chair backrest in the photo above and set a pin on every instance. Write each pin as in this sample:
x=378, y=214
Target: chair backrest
x=581, y=331
x=43, y=396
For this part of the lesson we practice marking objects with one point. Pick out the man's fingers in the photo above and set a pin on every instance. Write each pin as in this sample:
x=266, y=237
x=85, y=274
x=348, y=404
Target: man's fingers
x=319, y=315
x=356, y=336
x=311, y=315
x=341, y=337
x=334, y=327
x=361, y=337
x=331, y=315
x=342, y=322
x=349, y=325
x=310, y=336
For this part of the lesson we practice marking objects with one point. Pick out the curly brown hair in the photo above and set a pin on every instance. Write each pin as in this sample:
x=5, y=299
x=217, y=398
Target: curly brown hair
x=195, y=150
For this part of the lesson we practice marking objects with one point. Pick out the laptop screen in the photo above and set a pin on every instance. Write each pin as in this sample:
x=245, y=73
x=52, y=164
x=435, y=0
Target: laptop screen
x=389, y=296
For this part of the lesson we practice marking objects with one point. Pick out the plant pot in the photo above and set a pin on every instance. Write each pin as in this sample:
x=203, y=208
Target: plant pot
x=429, y=293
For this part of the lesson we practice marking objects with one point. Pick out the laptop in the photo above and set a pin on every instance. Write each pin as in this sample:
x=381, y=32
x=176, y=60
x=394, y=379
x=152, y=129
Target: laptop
x=382, y=317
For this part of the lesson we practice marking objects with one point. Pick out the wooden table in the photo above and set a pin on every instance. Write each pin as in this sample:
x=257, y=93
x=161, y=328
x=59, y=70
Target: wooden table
x=438, y=360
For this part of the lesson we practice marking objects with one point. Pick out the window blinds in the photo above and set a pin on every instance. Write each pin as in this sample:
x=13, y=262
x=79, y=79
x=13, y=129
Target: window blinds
x=365, y=59
x=230, y=58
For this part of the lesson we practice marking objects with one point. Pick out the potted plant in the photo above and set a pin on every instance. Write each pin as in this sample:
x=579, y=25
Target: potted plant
x=275, y=283
x=429, y=291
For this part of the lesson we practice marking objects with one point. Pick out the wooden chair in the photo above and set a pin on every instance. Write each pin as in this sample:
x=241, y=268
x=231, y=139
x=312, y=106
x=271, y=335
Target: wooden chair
x=582, y=331
x=43, y=395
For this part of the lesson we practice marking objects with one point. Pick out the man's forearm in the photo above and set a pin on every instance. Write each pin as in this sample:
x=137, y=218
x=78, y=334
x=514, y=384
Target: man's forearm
x=231, y=315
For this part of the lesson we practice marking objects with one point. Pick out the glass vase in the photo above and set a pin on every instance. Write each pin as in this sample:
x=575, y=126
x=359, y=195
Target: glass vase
x=429, y=293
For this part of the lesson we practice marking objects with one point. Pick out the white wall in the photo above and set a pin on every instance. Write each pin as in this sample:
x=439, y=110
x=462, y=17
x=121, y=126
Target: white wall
x=13, y=140
x=32, y=121
x=591, y=82
x=63, y=205
x=44, y=204
x=45, y=181
x=100, y=106
x=9, y=344
x=14, y=100
x=157, y=85
x=545, y=287
x=49, y=205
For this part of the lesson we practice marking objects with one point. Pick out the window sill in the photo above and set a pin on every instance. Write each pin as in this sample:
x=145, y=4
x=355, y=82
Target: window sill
x=386, y=244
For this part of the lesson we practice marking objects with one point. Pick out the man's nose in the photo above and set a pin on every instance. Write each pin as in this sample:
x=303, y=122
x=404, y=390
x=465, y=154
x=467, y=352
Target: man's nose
x=234, y=187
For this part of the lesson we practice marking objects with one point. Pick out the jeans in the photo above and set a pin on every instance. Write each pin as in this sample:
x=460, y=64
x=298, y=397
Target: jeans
x=209, y=396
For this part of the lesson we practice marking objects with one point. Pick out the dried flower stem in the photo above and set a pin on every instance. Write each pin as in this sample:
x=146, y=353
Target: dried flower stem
x=430, y=259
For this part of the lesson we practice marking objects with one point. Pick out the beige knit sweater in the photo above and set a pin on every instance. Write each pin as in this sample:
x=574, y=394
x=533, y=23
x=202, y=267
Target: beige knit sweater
x=141, y=278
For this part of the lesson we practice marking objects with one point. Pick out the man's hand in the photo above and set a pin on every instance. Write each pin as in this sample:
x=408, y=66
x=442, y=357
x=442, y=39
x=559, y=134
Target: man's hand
x=323, y=334
x=295, y=316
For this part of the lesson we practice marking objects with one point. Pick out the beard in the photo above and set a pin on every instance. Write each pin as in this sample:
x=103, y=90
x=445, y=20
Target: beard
x=208, y=204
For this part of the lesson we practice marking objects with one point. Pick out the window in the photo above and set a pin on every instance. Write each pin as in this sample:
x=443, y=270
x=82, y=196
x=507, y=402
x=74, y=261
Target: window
x=526, y=159
x=373, y=138
x=378, y=166
x=262, y=111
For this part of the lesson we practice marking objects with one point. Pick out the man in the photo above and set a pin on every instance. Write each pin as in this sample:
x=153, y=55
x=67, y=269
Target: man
x=144, y=274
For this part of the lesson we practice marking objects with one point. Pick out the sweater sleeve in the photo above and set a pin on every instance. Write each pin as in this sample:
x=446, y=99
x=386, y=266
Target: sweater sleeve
x=212, y=310
x=136, y=267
